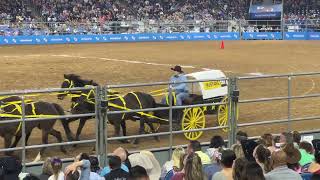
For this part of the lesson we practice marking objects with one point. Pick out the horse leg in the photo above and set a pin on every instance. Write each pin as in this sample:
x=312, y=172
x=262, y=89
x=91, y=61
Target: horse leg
x=65, y=124
x=7, y=143
x=150, y=124
x=141, y=129
x=16, y=141
x=80, y=127
x=124, y=131
x=45, y=134
x=58, y=136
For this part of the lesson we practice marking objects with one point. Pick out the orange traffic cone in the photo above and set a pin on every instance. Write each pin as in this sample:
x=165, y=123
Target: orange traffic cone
x=222, y=45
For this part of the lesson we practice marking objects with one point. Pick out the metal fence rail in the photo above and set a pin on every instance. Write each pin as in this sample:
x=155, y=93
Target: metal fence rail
x=101, y=113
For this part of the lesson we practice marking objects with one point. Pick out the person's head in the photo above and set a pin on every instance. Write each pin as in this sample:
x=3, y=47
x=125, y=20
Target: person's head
x=278, y=158
x=227, y=158
x=114, y=162
x=238, y=167
x=177, y=69
x=217, y=142
x=286, y=137
x=56, y=165
x=193, y=167
x=82, y=156
x=94, y=164
x=306, y=146
x=237, y=149
x=276, y=140
x=293, y=156
x=120, y=152
x=138, y=173
x=317, y=157
x=240, y=136
x=263, y=156
x=252, y=171
x=31, y=177
x=176, y=155
x=46, y=167
x=193, y=147
x=73, y=176
x=296, y=137
x=268, y=138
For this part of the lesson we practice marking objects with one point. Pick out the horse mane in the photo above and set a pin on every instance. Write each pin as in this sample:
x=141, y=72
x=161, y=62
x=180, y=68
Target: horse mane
x=78, y=80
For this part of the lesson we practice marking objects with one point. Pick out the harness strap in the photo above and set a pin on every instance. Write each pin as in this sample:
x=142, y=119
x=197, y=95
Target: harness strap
x=135, y=95
x=174, y=98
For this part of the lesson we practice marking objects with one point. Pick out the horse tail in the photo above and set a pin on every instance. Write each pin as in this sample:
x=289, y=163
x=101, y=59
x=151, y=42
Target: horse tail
x=59, y=109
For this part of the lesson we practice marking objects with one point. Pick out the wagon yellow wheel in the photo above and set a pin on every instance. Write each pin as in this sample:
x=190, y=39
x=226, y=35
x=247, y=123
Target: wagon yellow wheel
x=193, y=118
x=223, y=114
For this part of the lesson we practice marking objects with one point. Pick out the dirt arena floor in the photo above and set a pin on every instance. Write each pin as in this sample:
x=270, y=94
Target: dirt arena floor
x=36, y=67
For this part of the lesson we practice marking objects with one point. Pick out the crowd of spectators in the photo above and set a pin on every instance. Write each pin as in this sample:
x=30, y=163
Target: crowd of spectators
x=14, y=11
x=268, y=158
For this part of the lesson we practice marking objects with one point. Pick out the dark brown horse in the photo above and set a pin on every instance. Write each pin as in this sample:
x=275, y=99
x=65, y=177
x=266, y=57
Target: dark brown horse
x=12, y=106
x=131, y=101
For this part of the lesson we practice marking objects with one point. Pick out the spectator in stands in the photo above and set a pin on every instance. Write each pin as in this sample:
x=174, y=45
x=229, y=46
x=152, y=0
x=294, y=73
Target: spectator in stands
x=174, y=163
x=192, y=169
x=95, y=169
x=216, y=144
x=296, y=138
x=122, y=153
x=227, y=159
x=238, y=167
x=46, y=170
x=293, y=157
x=315, y=166
x=280, y=170
x=215, y=166
x=82, y=162
x=31, y=177
x=57, y=173
x=237, y=148
x=307, y=153
x=73, y=176
x=252, y=171
x=262, y=156
x=10, y=168
x=195, y=147
x=147, y=160
x=138, y=173
x=268, y=138
x=248, y=147
x=116, y=171
x=285, y=138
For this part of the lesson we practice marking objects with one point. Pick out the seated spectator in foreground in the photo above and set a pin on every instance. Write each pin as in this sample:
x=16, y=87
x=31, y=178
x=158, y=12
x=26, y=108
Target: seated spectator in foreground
x=268, y=139
x=263, y=158
x=195, y=147
x=252, y=171
x=57, y=173
x=286, y=138
x=46, y=170
x=215, y=166
x=10, y=168
x=73, y=176
x=227, y=159
x=275, y=144
x=31, y=177
x=280, y=169
x=237, y=148
x=216, y=144
x=248, y=147
x=306, y=151
x=95, y=169
x=296, y=138
x=315, y=166
x=293, y=157
x=237, y=168
x=120, y=152
x=82, y=162
x=192, y=169
x=147, y=160
x=138, y=173
x=116, y=171
x=174, y=163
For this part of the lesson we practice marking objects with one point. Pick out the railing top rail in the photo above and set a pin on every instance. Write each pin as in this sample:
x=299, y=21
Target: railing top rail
x=279, y=75
x=42, y=91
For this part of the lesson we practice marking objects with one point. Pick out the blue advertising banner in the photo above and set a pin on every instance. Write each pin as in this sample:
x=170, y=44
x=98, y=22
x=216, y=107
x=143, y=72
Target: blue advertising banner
x=262, y=35
x=69, y=39
x=295, y=36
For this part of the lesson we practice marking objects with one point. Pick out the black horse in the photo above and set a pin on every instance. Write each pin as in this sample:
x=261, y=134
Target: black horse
x=12, y=106
x=131, y=101
x=72, y=81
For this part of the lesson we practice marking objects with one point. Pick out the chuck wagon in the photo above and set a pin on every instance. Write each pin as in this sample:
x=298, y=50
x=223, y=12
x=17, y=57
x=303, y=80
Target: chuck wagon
x=206, y=92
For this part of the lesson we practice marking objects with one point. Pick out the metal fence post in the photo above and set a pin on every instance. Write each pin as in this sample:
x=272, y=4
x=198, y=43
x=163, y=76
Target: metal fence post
x=103, y=129
x=170, y=121
x=232, y=110
x=23, y=131
x=98, y=117
x=289, y=103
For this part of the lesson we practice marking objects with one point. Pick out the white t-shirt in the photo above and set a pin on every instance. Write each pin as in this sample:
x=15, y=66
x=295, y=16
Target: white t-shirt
x=60, y=176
